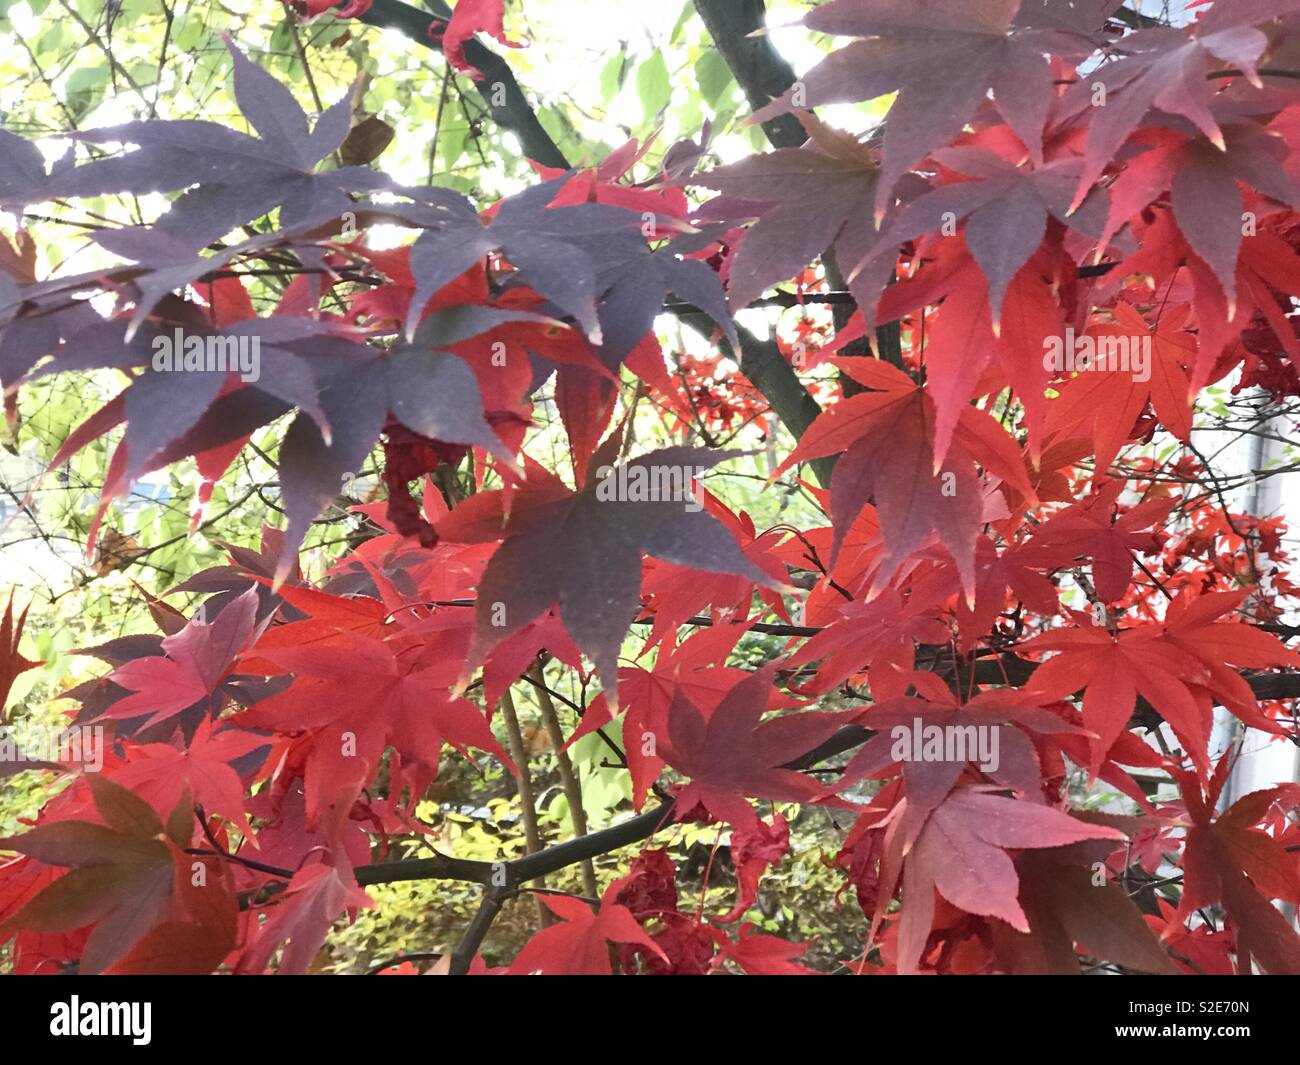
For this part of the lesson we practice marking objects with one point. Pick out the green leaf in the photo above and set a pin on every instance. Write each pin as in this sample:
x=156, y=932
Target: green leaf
x=188, y=31
x=713, y=76
x=132, y=10
x=612, y=77
x=451, y=145
x=49, y=41
x=687, y=13
x=85, y=88
x=652, y=85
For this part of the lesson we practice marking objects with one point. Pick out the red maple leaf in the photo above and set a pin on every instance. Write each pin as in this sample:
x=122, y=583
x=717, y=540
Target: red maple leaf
x=960, y=850
x=890, y=458
x=761, y=955
x=1229, y=860
x=579, y=944
x=353, y=698
x=732, y=753
x=468, y=18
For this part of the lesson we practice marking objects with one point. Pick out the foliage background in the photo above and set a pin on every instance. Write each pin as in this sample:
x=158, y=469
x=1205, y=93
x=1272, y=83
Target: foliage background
x=600, y=74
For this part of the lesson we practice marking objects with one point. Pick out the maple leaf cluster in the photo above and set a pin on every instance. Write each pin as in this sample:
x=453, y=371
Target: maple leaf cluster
x=999, y=556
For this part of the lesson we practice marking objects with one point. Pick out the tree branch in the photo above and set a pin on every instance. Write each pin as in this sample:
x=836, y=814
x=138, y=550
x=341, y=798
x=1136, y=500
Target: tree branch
x=564, y=765
x=764, y=74
x=439, y=867
x=513, y=113
x=760, y=361
x=561, y=855
x=1007, y=669
x=463, y=956
x=759, y=69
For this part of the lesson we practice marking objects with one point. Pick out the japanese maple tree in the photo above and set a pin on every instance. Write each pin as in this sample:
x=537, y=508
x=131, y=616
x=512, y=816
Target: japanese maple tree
x=1074, y=230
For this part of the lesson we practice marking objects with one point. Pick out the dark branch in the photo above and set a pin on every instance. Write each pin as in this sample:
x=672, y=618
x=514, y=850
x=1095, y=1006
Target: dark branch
x=463, y=956
x=1007, y=669
x=514, y=114
x=759, y=69
x=763, y=73
x=760, y=361
x=439, y=867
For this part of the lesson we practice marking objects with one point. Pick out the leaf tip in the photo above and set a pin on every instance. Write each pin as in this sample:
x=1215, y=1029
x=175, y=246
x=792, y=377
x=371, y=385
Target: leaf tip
x=282, y=571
